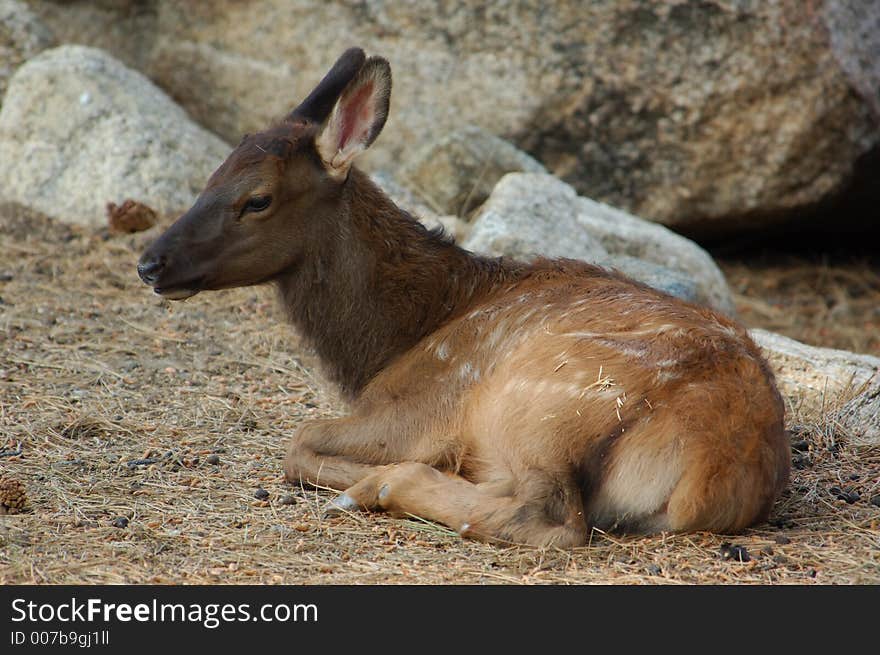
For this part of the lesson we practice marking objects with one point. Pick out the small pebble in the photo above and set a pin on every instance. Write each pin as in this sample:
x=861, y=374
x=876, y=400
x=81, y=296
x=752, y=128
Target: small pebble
x=735, y=553
x=875, y=500
x=288, y=499
x=120, y=522
x=261, y=494
x=800, y=446
x=782, y=539
x=654, y=569
x=847, y=495
x=213, y=459
x=146, y=461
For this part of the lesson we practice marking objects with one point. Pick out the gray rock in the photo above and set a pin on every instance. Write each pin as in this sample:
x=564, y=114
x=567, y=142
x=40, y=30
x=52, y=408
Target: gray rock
x=673, y=282
x=457, y=172
x=22, y=35
x=531, y=213
x=78, y=130
x=818, y=382
x=624, y=234
x=854, y=35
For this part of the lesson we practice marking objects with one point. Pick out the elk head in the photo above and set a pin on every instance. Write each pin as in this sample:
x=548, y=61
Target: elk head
x=278, y=195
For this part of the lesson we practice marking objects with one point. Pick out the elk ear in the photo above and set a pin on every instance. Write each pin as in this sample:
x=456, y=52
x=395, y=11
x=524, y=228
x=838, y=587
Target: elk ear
x=357, y=117
x=317, y=105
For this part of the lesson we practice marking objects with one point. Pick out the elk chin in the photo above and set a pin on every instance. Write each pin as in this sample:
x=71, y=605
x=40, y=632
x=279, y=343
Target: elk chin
x=175, y=294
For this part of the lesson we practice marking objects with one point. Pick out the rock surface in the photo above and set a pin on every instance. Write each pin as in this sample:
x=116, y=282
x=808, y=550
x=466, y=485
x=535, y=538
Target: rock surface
x=674, y=282
x=125, y=28
x=22, y=35
x=457, y=172
x=854, y=34
x=78, y=130
x=530, y=213
x=820, y=380
x=712, y=116
x=623, y=234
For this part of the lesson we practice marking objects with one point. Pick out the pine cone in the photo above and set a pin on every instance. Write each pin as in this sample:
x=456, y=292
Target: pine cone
x=129, y=217
x=13, y=497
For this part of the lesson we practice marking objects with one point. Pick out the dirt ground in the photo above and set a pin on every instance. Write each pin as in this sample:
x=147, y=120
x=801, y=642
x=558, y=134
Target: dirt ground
x=143, y=430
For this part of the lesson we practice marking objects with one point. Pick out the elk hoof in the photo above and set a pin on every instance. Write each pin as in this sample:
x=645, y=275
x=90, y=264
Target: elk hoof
x=384, y=491
x=342, y=504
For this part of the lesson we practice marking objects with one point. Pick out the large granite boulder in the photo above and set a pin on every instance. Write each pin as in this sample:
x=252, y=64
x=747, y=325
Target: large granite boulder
x=711, y=117
x=531, y=214
x=79, y=130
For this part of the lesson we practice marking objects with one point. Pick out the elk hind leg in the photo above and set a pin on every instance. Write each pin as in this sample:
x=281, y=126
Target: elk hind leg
x=534, y=509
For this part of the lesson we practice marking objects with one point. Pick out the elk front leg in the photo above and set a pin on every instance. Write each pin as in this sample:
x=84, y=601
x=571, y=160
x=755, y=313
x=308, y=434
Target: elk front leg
x=536, y=509
x=332, y=453
x=337, y=453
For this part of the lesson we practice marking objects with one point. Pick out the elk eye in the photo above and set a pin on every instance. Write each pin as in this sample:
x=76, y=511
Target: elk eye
x=257, y=204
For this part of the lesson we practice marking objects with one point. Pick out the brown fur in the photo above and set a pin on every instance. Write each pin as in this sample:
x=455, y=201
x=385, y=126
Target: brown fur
x=520, y=402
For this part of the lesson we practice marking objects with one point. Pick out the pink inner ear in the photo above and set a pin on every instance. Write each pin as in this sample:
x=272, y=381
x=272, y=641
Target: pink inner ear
x=356, y=115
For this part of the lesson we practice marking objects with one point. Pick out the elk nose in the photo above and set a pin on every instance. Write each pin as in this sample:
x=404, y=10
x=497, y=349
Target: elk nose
x=150, y=267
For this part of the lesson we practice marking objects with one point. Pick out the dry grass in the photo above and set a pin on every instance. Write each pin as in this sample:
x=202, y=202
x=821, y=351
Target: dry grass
x=817, y=300
x=97, y=373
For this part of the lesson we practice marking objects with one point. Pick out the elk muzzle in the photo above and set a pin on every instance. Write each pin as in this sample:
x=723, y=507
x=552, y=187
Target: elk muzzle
x=170, y=264
x=150, y=269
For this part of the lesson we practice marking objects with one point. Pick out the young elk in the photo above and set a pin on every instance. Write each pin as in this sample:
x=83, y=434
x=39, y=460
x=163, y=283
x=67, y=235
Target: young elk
x=515, y=402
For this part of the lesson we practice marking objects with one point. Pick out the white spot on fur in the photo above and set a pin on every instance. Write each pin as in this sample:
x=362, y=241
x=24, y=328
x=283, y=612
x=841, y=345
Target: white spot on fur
x=495, y=336
x=666, y=376
x=468, y=373
x=442, y=351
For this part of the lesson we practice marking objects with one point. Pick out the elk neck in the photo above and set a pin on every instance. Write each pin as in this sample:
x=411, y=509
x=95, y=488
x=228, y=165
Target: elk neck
x=378, y=283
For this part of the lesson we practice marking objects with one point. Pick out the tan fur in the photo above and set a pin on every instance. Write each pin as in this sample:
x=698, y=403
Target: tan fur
x=515, y=402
